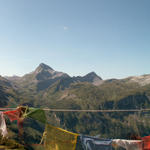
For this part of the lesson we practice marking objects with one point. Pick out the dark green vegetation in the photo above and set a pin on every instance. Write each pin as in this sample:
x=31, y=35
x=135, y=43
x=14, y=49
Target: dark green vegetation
x=47, y=88
x=9, y=144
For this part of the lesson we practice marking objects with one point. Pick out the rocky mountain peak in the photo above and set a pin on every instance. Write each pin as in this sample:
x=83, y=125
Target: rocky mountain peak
x=43, y=66
x=44, y=72
x=93, y=75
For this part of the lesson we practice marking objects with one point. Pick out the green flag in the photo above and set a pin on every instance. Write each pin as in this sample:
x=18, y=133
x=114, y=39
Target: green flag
x=37, y=114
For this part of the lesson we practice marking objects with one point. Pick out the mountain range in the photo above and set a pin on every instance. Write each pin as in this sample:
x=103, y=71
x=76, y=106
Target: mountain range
x=46, y=88
x=44, y=76
x=50, y=85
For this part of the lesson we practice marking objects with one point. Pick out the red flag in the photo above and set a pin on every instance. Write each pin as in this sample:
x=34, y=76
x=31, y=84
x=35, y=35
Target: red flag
x=13, y=115
x=17, y=115
x=146, y=141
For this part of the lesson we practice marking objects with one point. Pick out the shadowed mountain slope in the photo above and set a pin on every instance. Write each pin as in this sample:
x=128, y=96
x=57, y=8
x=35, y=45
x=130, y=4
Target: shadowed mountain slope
x=7, y=93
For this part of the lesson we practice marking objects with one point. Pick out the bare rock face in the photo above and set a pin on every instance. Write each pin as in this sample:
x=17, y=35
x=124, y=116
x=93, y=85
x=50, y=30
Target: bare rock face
x=141, y=80
x=44, y=72
x=43, y=67
x=13, y=78
x=91, y=77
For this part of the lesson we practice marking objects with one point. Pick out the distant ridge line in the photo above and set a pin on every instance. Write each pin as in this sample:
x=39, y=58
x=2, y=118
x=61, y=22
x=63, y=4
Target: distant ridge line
x=85, y=110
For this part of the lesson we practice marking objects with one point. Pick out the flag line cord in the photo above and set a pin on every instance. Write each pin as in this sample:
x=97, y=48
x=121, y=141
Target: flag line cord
x=85, y=110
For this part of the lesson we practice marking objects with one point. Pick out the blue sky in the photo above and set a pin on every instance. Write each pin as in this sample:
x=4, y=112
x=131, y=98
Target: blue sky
x=110, y=37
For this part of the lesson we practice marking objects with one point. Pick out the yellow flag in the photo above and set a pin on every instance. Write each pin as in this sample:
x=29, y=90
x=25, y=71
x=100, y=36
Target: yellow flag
x=59, y=139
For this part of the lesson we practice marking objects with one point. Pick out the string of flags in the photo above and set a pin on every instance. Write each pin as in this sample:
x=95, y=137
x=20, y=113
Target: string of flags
x=55, y=138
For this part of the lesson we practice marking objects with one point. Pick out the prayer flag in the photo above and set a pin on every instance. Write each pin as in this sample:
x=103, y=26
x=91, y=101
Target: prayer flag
x=59, y=139
x=129, y=144
x=37, y=114
x=92, y=143
x=146, y=141
x=3, y=127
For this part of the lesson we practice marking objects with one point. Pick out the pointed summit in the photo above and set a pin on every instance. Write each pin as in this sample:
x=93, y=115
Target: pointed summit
x=44, y=66
x=44, y=72
x=93, y=78
x=92, y=75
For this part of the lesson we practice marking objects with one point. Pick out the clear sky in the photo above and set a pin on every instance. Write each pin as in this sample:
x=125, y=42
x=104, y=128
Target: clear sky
x=110, y=37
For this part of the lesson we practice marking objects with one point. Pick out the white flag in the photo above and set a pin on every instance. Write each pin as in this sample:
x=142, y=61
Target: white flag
x=3, y=128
